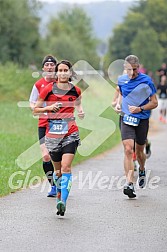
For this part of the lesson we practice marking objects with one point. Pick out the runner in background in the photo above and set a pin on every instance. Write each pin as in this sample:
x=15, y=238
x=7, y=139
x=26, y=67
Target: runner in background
x=162, y=94
x=48, y=67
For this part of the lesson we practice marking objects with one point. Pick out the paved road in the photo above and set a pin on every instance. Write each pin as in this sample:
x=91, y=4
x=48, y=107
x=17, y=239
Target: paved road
x=99, y=217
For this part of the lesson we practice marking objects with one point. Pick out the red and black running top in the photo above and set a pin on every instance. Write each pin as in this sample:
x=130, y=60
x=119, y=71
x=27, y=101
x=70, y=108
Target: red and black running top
x=52, y=94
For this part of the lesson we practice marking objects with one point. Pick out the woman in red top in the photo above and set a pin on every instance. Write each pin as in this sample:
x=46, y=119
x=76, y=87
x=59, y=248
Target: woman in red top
x=62, y=137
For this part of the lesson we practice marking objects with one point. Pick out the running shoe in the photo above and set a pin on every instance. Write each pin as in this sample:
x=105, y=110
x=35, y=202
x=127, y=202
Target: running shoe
x=61, y=207
x=142, y=178
x=52, y=192
x=148, y=150
x=129, y=190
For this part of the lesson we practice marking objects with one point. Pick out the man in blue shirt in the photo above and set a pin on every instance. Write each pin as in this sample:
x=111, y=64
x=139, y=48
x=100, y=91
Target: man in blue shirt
x=138, y=98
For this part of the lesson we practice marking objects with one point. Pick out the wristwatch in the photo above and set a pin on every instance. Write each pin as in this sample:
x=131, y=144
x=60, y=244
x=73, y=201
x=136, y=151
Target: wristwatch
x=142, y=108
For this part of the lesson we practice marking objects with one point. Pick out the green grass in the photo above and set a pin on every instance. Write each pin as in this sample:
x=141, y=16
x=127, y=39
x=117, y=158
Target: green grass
x=19, y=130
x=15, y=83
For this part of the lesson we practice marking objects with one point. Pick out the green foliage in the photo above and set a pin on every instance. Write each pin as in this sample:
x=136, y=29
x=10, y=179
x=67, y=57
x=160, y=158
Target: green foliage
x=18, y=132
x=78, y=24
x=156, y=15
x=143, y=32
x=155, y=51
x=120, y=43
x=19, y=36
x=65, y=48
x=70, y=36
x=15, y=82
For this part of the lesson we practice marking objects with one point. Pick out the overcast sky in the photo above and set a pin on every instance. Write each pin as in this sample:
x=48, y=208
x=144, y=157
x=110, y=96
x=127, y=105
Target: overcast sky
x=81, y=1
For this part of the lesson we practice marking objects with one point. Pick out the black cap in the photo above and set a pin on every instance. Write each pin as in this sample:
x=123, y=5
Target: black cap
x=49, y=58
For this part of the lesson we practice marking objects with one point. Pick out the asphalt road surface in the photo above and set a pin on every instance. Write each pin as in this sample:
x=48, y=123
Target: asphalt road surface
x=99, y=216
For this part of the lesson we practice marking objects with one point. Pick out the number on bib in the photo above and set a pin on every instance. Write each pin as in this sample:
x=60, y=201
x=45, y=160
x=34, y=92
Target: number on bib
x=131, y=120
x=58, y=127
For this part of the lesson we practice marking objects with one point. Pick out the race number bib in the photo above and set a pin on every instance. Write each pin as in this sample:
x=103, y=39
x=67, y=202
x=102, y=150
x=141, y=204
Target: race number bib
x=58, y=127
x=131, y=120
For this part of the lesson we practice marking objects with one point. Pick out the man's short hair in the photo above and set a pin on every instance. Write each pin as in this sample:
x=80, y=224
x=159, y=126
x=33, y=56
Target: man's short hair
x=132, y=59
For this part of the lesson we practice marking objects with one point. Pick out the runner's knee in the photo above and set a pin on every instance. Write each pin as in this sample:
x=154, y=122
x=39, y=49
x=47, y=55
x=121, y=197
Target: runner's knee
x=65, y=168
x=46, y=158
x=128, y=150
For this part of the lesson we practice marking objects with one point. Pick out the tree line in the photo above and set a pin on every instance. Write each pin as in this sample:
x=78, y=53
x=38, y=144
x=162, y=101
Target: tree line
x=143, y=32
x=70, y=34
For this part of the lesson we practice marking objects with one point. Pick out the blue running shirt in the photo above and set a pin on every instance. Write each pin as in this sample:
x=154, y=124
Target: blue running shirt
x=136, y=92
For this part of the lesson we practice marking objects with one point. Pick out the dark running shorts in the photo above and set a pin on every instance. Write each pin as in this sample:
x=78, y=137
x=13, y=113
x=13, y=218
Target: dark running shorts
x=41, y=134
x=138, y=133
x=59, y=146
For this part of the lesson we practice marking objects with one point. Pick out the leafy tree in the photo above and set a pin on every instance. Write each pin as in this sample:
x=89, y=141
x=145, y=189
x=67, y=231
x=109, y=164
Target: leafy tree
x=123, y=35
x=152, y=55
x=63, y=47
x=19, y=37
x=143, y=32
x=156, y=14
x=70, y=36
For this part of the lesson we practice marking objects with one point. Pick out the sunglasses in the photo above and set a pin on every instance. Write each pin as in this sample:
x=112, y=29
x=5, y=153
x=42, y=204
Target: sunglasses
x=131, y=69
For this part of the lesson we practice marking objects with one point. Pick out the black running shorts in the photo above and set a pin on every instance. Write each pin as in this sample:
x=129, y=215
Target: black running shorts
x=138, y=133
x=59, y=146
x=70, y=148
x=41, y=134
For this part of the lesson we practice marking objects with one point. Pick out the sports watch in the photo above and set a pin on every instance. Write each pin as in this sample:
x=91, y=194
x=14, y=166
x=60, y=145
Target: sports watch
x=142, y=108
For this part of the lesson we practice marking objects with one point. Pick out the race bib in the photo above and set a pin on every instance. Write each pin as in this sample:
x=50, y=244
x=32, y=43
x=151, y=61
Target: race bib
x=131, y=120
x=58, y=127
